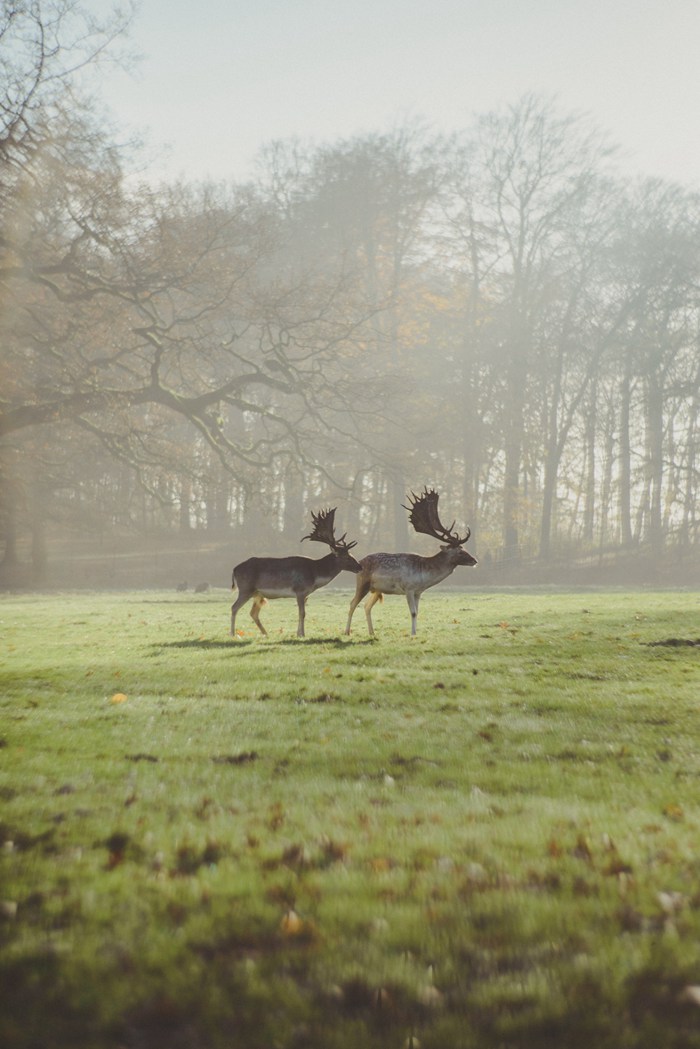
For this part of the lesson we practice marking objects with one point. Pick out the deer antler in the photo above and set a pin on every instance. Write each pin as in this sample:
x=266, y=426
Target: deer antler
x=423, y=515
x=324, y=531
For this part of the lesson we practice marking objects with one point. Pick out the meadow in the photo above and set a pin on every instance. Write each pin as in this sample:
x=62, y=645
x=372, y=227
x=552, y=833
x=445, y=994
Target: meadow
x=486, y=836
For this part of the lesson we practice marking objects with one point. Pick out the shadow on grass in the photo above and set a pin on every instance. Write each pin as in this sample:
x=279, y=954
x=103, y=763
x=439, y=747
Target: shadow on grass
x=675, y=642
x=201, y=642
x=333, y=642
x=245, y=643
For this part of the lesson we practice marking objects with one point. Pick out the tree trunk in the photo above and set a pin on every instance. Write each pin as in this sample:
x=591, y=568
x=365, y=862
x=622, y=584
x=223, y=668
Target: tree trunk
x=513, y=445
x=397, y=487
x=625, y=454
x=690, y=495
x=9, y=557
x=590, y=478
x=606, y=492
x=293, y=504
x=654, y=420
x=185, y=504
x=551, y=465
x=39, y=552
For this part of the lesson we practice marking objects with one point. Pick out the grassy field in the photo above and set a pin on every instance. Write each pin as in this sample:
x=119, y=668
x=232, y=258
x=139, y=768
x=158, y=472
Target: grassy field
x=487, y=836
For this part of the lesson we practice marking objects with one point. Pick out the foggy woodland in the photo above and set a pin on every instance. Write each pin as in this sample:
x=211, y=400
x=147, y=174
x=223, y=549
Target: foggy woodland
x=187, y=370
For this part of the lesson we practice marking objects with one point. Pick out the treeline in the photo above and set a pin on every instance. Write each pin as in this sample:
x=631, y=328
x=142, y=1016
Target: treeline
x=497, y=313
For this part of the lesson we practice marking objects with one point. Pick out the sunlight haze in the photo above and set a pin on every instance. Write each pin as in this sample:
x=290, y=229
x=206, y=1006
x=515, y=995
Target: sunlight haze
x=217, y=81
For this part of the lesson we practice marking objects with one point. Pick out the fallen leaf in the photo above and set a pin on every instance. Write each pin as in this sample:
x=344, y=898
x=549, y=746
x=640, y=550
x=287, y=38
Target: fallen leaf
x=297, y=856
x=292, y=925
x=671, y=902
x=431, y=997
x=582, y=850
x=380, y=864
x=616, y=866
x=276, y=817
x=118, y=697
x=243, y=758
x=383, y=999
x=116, y=845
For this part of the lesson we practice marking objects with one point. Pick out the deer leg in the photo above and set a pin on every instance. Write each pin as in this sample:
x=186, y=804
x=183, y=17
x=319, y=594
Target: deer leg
x=258, y=602
x=361, y=590
x=301, y=602
x=369, y=605
x=238, y=603
x=413, y=599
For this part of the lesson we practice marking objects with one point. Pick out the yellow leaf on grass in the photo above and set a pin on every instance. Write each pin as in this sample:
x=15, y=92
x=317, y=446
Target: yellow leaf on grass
x=118, y=697
x=293, y=927
x=582, y=851
x=291, y=924
x=380, y=864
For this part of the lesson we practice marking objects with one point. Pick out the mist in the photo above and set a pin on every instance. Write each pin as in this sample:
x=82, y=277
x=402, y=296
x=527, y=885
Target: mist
x=189, y=370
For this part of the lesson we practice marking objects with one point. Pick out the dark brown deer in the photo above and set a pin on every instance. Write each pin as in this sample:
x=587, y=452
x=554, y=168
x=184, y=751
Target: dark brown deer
x=411, y=574
x=267, y=578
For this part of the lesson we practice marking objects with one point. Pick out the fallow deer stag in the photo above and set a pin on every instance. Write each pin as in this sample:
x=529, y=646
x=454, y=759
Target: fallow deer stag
x=411, y=574
x=265, y=578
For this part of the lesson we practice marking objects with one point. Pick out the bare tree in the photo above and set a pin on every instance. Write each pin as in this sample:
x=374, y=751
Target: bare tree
x=527, y=177
x=130, y=310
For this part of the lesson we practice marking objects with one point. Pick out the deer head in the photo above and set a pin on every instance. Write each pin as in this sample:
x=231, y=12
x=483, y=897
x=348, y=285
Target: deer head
x=423, y=515
x=323, y=531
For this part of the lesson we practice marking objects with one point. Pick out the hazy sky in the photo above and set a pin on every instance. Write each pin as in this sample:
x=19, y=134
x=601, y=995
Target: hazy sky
x=220, y=78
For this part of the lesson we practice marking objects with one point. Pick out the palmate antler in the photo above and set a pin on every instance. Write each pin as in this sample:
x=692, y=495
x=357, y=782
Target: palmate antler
x=423, y=515
x=324, y=531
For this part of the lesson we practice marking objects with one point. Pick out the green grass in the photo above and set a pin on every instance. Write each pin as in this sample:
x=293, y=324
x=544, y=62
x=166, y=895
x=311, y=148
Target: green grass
x=486, y=836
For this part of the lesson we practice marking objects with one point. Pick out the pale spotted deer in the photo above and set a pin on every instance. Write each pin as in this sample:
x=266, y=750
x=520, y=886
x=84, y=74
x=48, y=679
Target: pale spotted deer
x=411, y=574
x=267, y=578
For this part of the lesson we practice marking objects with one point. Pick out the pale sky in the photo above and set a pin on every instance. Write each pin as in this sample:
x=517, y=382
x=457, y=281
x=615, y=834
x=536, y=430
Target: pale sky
x=220, y=78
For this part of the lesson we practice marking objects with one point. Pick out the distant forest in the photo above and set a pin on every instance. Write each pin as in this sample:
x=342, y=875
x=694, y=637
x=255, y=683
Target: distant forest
x=496, y=313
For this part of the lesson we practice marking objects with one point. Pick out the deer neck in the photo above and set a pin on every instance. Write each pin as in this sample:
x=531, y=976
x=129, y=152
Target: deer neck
x=443, y=562
x=328, y=567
